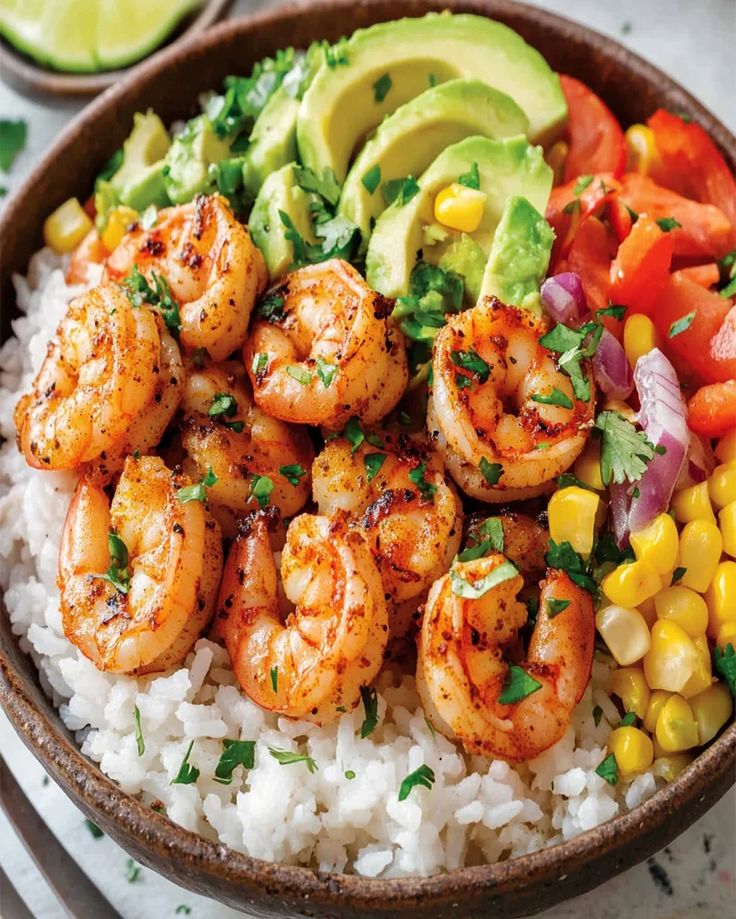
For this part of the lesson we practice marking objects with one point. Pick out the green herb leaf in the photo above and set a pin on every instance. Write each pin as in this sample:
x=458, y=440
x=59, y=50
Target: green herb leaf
x=370, y=704
x=373, y=463
x=234, y=753
x=261, y=487
x=470, y=179
x=286, y=758
x=423, y=776
x=197, y=492
x=275, y=679
x=491, y=472
x=597, y=715
x=472, y=591
x=518, y=685
x=724, y=664
x=183, y=909
x=139, y=291
x=555, y=607
x=325, y=372
x=556, y=397
x=260, y=362
x=574, y=346
x=400, y=191
x=618, y=312
x=667, y=224
x=608, y=769
x=271, y=308
x=326, y=185
x=492, y=529
x=132, y=871
x=628, y=720
x=293, y=473
x=416, y=476
x=12, y=140
x=564, y=557
x=681, y=325
x=299, y=374
x=582, y=183
x=372, y=179
x=354, y=433
x=94, y=830
x=117, y=574
x=139, y=742
x=337, y=55
x=625, y=452
x=337, y=234
x=472, y=362
x=677, y=575
x=381, y=88
x=568, y=478
x=187, y=774
x=607, y=550
x=223, y=403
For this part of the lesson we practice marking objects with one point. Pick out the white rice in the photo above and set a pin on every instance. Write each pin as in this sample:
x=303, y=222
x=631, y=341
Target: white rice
x=477, y=810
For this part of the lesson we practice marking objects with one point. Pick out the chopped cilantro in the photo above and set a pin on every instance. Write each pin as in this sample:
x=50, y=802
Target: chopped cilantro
x=400, y=191
x=139, y=291
x=275, y=679
x=555, y=607
x=472, y=362
x=628, y=720
x=117, y=574
x=187, y=774
x=373, y=463
x=608, y=769
x=326, y=185
x=271, y=308
x=724, y=664
x=337, y=55
x=563, y=556
x=325, y=372
x=568, y=478
x=260, y=362
x=223, y=403
x=299, y=374
x=470, y=179
x=132, y=871
x=677, y=575
x=492, y=529
x=381, y=87
x=681, y=325
x=261, y=487
x=197, y=492
x=582, y=183
x=286, y=758
x=139, y=741
x=618, y=312
x=625, y=452
x=556, y=397
x=292, y=235
x=518, y=685
x=183, y=909
x=370, y=704
x=423, y=776
x=234, y=753
x=12, y=140
x=372, y=179
x=491, y=472
x=668, y=223
x=94, y=830
x=473, y=591
x=292, y=473
x=574, y=346
x=416, y=476
x=354, y=433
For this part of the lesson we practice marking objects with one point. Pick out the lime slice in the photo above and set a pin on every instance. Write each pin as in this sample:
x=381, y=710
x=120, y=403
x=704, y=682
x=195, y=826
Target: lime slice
x=89, y=35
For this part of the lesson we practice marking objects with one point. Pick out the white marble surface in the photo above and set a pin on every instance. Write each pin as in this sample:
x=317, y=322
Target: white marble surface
x=696, y=875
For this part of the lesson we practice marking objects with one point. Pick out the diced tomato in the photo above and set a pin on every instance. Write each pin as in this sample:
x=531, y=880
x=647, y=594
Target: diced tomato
x=566, y=210
x=706, y=275
x=712, y=410
x=590, y=257
x=641, y=267
x=708, y=345
x=692, y=164
x=619, y=216
x=704, y=231
x=594, y=135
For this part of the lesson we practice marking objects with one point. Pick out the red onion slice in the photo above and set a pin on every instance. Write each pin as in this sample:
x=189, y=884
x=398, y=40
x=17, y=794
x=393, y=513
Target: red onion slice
x=700, y=463
x=563, y=297
x=663, y=416
x=611, y=368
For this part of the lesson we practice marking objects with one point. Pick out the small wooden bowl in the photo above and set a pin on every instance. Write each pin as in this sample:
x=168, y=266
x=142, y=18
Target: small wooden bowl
x=35, y=80
x=170, y=83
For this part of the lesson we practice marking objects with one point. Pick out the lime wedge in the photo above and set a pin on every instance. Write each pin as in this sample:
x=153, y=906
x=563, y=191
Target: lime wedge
x=88, y=35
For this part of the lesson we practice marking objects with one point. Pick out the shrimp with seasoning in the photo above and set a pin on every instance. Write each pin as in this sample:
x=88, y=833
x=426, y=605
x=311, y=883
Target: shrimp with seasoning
x=324, y=348
x=498, y=442
x=310, y=658
x=138, y=576
x=472, y=615
x=99, y=375
x=211, y=266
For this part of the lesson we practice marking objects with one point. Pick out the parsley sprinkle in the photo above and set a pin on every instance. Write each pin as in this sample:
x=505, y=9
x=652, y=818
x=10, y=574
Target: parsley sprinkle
x=260, y=362
x=625, y=452
x=234, y=753
x=325, y=372
x=677, y=575
x=373, y=463
x=381, y=88
x=132, y=871
x=286, y=758
x=472, y=591
x=491, y=472
x=668, y=223
x=94, y=830
x=370, y=704
x=187, y=774
x=349, y=775
x=724, y=663
x=354, y=433
x=299, y=374
x=519, y=684
x=423, y=776
x=372, y=179
x=292, y=473
x=556, y=397
x=275, y=679
x=197, y=492
x=470, y=179
x=271, y=308
x=139, y=742
x=681, y=325
x=628, y=719
x=597, y=715
x=400, y=191
x=416, y=476
x=555, y=607
x=261, y=487
x=222, y=404
x=618, y=312
x=608, y=769
x=471, y=361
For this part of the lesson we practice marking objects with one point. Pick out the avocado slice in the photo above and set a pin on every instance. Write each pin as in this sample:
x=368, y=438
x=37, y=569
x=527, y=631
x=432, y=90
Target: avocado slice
x=280, y=192
x=388, y=64
x=272, y=141
x=519, y=255
x=407, y=141
x=139, y=181
x=189, y=157
x=505, y=167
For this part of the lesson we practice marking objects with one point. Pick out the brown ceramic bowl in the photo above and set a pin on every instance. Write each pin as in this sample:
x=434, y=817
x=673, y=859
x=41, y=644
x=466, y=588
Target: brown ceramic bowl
x=170, y=84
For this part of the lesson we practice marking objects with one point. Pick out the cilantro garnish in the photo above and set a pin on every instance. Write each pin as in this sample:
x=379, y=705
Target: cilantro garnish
x=197, y=492
x=372, y=179
x=400, y=191
x=139, y=291
x=224, y=404
x=568, y=478
x=472, y=362
x=299, y=374
x=433, y=292
x=573, y=347
x=606, y=550
x=292, y=473
x=582, y=183
x=354, y=433
x=94, y=830
x=681, y=325
x=234, y=753
x=271, y=308
x=608, y=769
x=326, y=185
x=555, y=607
x=492, y=529
x=12, y=140
x=286, y=758
x=325, y=372
x=274, y=678
x=727, y=271
x=724, y=663
x=370, y=704
x=625, y=452
x=491, y=472
x=563, y=556
x=667, y=223
x=117, y=574
x=473, y=591
x=132, y=871
x=336, y=55
x=373, y=463
x=381, y=88
x=628, y=720
x=423, y=776
x=416, y=476
x=260, y=362
x=261, y=487
x=183, y=909
x=139, y=741
x=518, y=685
x=337, y=234
x=556, y=397
x=470, y=179
x=618, y=312
x=187, y=774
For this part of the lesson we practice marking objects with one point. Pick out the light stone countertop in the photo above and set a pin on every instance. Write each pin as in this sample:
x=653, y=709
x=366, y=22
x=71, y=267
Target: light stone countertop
x=696, y=875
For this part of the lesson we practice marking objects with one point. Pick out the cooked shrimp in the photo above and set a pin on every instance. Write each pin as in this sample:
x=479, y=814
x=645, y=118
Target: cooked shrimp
x=328, y=349
x=310, y=662
x=91, y=251
x=461, y=671
x=212, y=268
x=226, y=431
x=487, y=366
x=524, y=541
x=166, y=574
x=98, y=376
x=395, y=491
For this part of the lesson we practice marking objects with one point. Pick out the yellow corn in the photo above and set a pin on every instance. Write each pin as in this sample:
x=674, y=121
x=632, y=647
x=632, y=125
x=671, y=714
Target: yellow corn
x=722, y=484
x=654, y=707
x=625, y=632
x=693, y=503
x=727, y=522
x=681, y=605
x=631, y=584
x=726, y=449
x=648, y=611
x=556, y=158
x=702, y=676
x=669, y=766
x=460, y=208
x=622, y=408
x=572, y=513
x=632, y=748
x=721, y=597
x=630, y=685
x=700, y=551
x=712, y=709
x=657, y=544
x=641, y=149
x=672, y=657
x=66, y=227
x=118, y=221
x=640, y=337
x=588, y=466
x=676, y=728
x=726, y=635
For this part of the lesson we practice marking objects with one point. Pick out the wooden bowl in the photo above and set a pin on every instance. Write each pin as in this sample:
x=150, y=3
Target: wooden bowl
x=170, y=84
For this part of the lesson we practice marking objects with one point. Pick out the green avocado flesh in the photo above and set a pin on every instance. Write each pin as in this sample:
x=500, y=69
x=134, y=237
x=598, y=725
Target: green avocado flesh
x=387, y=65
x=410, y=139
x=139, y=181
x=509, y=167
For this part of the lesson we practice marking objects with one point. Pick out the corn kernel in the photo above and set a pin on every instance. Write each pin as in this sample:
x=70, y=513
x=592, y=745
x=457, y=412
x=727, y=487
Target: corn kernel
x=672, y=657
x=572, y=513
x=676, y=728
x=460, y=208
x=632, y=748
x=630, y=685
x=631, y=584
x=721, y=597
x=641, y=149
x=669, y=766
x=640, y=337
x=625, y=632
x=693, y=503
x=588, y=466
x=726, y=635
x=118, y=221
x=702, y=676
x=556, y=158
x=648, y=611
x=658, y=543
x=681, y=605
x=712, y=709
x=726, y=449
x=66, y=227
x=722, y=484
x=727, y=522
x=700, y=552
x=654, y=707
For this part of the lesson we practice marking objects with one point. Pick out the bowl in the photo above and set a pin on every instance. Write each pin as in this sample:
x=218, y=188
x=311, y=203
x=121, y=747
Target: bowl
x=170, y=83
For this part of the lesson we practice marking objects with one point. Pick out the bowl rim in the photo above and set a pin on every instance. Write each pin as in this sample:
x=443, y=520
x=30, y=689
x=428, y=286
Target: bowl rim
x=103, y=799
